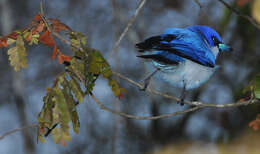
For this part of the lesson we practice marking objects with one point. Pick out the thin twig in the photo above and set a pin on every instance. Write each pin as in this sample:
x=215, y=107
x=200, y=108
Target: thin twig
x=198, y=3
x=16, y=130
x=248, y=18
x=129, y=24
x=103, y=107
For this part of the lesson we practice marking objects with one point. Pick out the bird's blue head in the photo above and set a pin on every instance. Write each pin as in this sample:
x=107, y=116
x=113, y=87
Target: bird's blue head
x=211, y=36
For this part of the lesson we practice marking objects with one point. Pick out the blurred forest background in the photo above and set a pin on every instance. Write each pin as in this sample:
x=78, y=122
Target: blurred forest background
x=215, y=131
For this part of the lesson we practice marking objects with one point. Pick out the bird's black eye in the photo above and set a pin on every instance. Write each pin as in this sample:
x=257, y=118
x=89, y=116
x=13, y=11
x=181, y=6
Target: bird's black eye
x=215, y=41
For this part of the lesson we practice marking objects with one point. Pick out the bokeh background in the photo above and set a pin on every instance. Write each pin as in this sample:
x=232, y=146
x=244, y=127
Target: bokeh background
x=216, y=131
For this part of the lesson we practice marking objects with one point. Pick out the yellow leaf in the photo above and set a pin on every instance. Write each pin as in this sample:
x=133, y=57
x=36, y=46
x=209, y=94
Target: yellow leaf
x=60, y=136
x=10, y=41
x=256, y=10
x=17, y=55
x=75, y=87
x=34, y=39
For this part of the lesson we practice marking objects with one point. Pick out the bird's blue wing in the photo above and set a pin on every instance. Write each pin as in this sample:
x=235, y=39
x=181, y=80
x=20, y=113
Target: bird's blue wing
x=176, y=45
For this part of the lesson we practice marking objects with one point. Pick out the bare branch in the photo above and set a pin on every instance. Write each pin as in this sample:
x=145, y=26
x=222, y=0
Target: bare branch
x=103, y=107
x=198, y=3
x=248, y=18
x=200, y=104
x=129, y=24
x=16, y=130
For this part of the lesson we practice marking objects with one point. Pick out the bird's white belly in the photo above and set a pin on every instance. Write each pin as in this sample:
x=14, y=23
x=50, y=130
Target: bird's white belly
x=188, y=72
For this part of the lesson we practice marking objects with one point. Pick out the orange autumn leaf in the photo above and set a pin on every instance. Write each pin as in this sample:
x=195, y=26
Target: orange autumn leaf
x=55, y=52
x=66, y=58
x=3, y=42
x=57, y=25
x=37, y=17
x=47, y=39
x=244, y=99
x=255, y=123
x=121, y=95
x=242, y=2
x=41, y=130
x=39, y=28
x=13, y=35
x=60, y=60
x=63, y=142
x=29, y=37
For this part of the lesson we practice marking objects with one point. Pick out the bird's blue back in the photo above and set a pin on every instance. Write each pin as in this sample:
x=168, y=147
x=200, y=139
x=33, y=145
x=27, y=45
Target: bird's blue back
x=175, y=45
x=191, y=44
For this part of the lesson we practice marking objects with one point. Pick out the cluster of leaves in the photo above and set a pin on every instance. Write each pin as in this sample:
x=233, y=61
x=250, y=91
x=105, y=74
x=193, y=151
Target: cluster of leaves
x=60, y=108
x=36, y=32
x=71, y=86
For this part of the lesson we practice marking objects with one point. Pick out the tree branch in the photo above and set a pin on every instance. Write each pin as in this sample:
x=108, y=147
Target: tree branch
x=195, y=103
x=248, y=18
x=129, y=24
x=16, y=130
x=103, y=107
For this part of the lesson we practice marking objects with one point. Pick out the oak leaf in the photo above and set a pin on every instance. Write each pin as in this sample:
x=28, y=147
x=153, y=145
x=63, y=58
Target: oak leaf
x=54, y=52
x=37, y=17
x=17, y=55
x=57, y=25
x=3, y=42
x=47, y=39
x=13, y=35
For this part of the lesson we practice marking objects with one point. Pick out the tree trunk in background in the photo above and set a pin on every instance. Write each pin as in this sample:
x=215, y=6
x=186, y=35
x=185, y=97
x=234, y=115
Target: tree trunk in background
x=17, y=88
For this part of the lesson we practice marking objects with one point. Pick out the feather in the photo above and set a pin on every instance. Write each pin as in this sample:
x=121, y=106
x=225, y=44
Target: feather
x=182, y=43
x=160, y=58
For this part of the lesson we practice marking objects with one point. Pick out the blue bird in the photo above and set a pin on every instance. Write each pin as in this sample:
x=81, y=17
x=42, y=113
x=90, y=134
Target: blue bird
x=185, y=57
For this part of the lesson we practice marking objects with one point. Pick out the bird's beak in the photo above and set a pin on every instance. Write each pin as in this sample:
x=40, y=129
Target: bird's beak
x=224, y=47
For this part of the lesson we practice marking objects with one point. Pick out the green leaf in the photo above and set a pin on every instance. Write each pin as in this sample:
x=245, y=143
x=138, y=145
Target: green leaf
x=77, y=39
x=61, y=135
x=62, y=106
x=257, y=86
x=17, y=55
x=75, y=121
x=41, y=131
x=46, y=116
x=77, y=66
x=71, y=103
x=10, y=41
x=75, y=87
x=91, y=78
x=34, y=39
x=115, y=87
x=97, y=64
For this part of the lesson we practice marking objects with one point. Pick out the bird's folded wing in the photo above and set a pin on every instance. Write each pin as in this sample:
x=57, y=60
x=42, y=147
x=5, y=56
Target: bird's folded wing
x=173, y=44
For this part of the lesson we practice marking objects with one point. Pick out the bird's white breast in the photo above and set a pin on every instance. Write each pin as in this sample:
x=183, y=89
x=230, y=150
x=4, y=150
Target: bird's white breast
x=188, y=72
